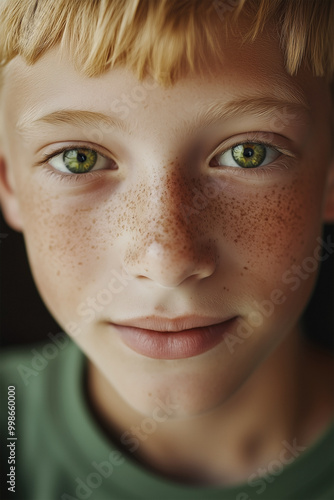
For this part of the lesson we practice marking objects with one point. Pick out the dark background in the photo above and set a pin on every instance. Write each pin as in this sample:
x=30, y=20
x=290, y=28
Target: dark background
x=24, y=318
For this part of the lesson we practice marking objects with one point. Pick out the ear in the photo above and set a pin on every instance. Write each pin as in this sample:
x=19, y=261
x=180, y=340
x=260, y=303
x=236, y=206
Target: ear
x=8, y=200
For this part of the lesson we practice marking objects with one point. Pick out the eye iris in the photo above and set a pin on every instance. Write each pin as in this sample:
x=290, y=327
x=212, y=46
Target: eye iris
x=249, y=155
x=79, y=161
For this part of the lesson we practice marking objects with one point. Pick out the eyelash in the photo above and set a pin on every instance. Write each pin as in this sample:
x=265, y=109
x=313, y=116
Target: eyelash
x=254, y=138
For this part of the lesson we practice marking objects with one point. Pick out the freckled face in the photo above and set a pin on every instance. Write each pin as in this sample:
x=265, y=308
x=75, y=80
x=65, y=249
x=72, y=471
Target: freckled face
x=167, y=224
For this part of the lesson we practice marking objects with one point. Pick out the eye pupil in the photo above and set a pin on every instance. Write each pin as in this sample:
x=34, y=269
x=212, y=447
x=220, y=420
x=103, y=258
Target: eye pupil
x=81, y=157
x=248, y=152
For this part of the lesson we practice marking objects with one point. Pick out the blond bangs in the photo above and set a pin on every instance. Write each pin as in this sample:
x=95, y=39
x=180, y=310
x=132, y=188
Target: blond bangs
x=163, y=38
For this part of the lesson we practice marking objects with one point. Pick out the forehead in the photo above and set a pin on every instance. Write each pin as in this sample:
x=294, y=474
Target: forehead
x=246, y=71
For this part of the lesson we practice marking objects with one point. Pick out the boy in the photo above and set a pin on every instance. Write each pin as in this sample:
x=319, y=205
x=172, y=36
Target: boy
x=170, y=165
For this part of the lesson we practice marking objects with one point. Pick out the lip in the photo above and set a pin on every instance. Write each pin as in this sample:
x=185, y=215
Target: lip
x=164, y=324
x=161, y=338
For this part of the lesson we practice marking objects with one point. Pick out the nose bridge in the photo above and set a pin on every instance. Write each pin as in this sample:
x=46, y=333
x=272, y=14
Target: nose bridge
x=169, y=193
x=161, y=208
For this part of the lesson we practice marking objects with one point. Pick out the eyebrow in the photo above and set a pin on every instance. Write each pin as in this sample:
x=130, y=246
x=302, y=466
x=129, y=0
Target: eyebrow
x=213, y=112
x=283, y=100
x=74, y=117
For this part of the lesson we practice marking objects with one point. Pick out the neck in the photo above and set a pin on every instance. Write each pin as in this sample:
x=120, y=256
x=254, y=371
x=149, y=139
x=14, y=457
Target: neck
x=228, y=444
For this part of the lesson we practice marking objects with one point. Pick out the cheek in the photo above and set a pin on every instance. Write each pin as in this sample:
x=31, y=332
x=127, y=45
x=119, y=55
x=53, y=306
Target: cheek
x=269, y=228
x=269, y=241
x=70, y=243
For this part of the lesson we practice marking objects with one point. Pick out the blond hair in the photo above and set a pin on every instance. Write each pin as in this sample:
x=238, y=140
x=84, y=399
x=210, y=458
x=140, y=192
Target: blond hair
x=166, y=38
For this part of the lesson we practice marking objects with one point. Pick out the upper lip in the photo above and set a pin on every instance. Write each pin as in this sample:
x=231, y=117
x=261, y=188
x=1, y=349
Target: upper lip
x=179, y=324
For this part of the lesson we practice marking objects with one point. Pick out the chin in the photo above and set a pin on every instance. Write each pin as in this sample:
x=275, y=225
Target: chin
x=177, y=402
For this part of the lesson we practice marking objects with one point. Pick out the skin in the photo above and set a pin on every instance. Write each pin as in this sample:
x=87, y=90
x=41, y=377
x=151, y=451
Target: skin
x=220, y=260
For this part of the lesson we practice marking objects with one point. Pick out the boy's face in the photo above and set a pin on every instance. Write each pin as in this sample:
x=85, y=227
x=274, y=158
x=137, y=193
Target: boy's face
x=165, y=225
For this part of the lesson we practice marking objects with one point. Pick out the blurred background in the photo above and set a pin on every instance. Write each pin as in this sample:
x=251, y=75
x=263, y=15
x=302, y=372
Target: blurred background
x=24, y=319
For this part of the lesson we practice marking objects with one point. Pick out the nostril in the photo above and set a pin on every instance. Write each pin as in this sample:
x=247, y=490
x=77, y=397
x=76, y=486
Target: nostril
x=143, y=276
x=169, y=263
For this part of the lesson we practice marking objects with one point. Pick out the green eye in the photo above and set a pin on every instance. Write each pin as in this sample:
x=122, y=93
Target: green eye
x=249, y=155
x=79, y=161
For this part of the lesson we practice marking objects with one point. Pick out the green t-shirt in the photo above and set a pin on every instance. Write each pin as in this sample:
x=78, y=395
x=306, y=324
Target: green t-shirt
x=61, y=453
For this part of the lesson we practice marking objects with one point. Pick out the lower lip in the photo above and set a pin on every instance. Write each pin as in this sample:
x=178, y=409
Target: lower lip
x=174, y=345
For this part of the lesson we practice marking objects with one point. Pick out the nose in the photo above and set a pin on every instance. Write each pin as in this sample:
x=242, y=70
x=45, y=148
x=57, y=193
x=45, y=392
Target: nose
x=167, y=246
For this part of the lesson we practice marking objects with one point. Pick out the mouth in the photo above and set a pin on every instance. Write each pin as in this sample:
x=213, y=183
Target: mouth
x=179, y=338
